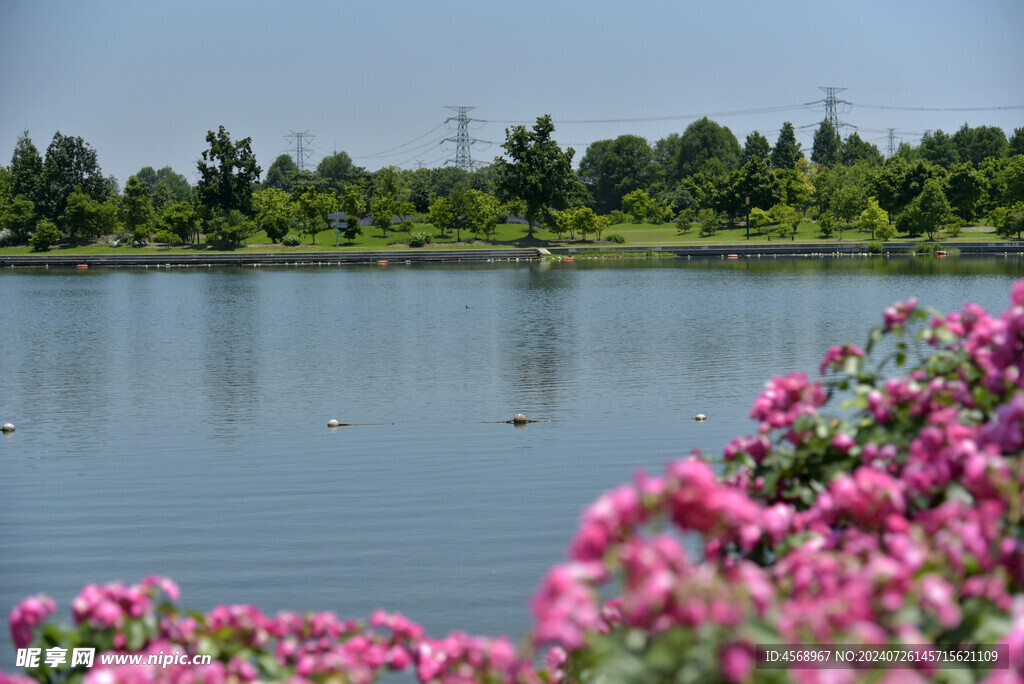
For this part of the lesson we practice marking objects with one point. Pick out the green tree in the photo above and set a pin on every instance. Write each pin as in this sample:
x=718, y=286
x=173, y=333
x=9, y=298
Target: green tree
x=756, y=145
x=537, y=171
x=1016, y=144
x=27, y=171
x=826, y=224
x=787, y=150
x=228, y=173
x=756, y=180
x=611, y=169
x=639, y=205
x=482, y=212
x=426, y=184
x=1012, y=221
x=965, y=188
x=18, y=217
x=938, y=148
x=354, y=204
x=70, y=164
x=827, y=145
x=274, y=211
x=873, y=218
x=312, y=207
x=709, y=223
x=180, y=218
x=855, y=149
x=85, y=217
x=338, y=170
x=45, y=236
x=759, y=218
x=169, y=188
x=136, y=208
x=281, y=173
x=702, y=141
x=974, y=145
x=232, y=227
x=887, y=184
x=930, y=211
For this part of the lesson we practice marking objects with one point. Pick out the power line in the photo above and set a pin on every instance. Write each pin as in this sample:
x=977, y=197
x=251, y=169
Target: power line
x=832, y=106
x=943, y=109
x=398, y=147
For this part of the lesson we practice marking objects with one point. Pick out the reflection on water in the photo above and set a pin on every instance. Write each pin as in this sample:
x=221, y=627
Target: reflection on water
x=175, y=421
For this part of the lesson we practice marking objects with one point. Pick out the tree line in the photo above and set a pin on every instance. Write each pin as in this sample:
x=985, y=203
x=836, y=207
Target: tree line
x=702, y=175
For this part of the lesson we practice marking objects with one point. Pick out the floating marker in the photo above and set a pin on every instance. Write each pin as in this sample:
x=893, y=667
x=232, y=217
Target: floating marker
x=8, y=427
x=700, y=417
x=333, y=423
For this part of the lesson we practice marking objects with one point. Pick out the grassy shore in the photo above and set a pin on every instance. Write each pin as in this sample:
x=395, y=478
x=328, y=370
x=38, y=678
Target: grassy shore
x=640, y=235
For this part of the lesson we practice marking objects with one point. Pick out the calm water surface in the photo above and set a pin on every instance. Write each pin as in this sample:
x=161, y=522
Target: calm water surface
x=174, y=422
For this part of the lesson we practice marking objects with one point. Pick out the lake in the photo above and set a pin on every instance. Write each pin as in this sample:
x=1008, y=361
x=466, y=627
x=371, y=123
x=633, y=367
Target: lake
x=175, y=421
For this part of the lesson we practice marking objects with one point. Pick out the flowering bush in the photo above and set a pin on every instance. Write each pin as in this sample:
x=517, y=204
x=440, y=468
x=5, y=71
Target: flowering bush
x=897, y=521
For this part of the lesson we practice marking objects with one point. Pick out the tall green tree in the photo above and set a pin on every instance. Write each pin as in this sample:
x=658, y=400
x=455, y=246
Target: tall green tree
x=338, y=170
x=352, y=203
x=757, y=180
x=703, y=140
x=965, y=188
x=27, y=171
x=228, y=173
x=873, y=217
x=613, y=168
x=136, y=208
x=756, y=146
x=274, y=211
x=281, y=173
x=786, y=152
x=70, y=164
x=19, y=217
x=827, y=145
x=537, y=171
x=929, y=211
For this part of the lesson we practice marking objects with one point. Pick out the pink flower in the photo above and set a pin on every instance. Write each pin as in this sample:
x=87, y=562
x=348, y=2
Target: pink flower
x=898, y=313
x=737, y=662
x=836, y=356
x=27, y=615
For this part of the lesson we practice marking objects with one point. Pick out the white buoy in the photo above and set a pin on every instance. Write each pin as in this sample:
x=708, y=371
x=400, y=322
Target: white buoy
x=519, y=419
x=8, y=427
x=333, y=423
x=700, y=417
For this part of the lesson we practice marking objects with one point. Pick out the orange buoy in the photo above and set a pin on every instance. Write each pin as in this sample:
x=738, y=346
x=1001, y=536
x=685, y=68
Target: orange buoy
x=941, y=253
x=732, y=256
x=83, y=265
x=568, y=259
x=382, y=262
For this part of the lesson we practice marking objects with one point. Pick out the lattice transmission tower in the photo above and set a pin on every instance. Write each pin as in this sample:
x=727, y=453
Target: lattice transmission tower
x=832, y=106
x=892, y=142
x=302, y=152
x=463, y=159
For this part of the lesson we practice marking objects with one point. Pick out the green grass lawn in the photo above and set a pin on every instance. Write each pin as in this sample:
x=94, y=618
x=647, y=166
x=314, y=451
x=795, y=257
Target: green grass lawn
x=513, y=235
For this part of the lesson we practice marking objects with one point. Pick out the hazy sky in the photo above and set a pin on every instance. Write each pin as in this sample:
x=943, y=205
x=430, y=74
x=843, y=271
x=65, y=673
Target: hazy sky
x=143, y=82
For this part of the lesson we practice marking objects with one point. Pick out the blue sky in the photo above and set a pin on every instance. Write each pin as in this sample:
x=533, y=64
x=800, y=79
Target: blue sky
x=143, y=82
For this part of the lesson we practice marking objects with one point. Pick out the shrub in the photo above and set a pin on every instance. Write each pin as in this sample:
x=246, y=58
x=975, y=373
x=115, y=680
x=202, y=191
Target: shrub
x=684, y=221
x=8, y=238
x=875, y=247
x=709, y=223
x=616, y=238
x=419, y=239
x=896, y=521
x=619, y=217
x=165, y=236
x=291, y=240
x=45, y=236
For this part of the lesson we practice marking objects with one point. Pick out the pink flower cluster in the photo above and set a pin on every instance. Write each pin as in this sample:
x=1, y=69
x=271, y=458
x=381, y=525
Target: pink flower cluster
x=28, y=615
